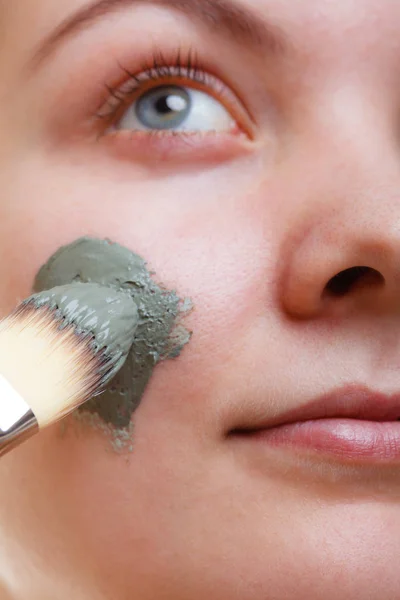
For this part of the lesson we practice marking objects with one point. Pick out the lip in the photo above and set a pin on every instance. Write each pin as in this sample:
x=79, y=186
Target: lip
x=353, y=423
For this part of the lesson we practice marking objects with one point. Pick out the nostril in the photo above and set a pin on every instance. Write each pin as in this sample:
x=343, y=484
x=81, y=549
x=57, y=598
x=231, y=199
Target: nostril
x=345, y=281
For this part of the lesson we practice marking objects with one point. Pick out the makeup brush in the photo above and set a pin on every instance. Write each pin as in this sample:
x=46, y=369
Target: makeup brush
x=58, y=349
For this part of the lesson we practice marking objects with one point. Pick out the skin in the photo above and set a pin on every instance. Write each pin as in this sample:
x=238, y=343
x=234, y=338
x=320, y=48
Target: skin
x=251, y=228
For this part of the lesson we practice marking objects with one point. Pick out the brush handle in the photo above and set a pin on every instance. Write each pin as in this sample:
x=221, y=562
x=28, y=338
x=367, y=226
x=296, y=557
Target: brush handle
x=17, y=421
x=26, y=427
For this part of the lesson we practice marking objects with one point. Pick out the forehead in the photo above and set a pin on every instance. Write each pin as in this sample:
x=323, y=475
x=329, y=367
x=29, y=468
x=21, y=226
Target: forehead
x=316, y=12
x=335, y=30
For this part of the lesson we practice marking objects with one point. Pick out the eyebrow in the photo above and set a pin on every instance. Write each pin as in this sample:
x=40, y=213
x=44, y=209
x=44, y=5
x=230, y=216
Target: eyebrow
x=227, y=16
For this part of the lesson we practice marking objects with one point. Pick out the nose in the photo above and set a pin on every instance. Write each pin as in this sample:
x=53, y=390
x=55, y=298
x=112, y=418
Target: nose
x=343, y=252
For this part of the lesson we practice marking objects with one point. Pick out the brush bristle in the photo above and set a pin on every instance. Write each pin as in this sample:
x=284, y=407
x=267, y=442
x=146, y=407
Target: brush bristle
x=55, y=367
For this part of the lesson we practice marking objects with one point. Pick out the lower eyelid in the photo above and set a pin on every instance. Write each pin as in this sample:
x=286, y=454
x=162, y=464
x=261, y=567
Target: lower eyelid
x=162, y=150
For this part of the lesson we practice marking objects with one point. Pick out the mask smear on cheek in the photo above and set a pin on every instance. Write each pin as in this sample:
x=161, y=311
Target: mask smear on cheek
x=160, y=334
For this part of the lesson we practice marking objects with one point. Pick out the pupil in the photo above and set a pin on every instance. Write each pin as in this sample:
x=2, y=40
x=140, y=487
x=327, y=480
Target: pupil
x=162, y=105
x=167, y=104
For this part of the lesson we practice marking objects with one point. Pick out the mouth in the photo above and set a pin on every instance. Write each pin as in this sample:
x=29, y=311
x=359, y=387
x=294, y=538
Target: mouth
x=351, y=423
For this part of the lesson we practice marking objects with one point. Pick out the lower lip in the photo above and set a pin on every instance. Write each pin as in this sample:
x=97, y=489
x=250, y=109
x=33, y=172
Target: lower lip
x=346, y=438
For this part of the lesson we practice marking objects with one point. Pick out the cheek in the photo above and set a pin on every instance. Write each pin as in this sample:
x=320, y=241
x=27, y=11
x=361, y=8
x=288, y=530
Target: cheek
x=200, y=236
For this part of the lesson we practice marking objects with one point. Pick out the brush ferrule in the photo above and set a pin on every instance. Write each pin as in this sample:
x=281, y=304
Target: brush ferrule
x=17, y=421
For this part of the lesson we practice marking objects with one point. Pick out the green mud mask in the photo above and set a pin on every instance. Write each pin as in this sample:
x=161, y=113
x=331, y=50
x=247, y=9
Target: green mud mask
x=159, y=334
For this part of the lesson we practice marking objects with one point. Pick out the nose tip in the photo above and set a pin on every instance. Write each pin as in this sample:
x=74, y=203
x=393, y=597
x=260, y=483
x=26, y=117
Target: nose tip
x=337, y=272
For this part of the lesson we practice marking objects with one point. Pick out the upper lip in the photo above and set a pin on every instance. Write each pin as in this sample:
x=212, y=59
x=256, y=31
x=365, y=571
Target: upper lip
x=348, y=402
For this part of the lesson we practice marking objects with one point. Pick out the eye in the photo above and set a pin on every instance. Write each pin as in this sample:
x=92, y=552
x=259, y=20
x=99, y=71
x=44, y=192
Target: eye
x=175, y=108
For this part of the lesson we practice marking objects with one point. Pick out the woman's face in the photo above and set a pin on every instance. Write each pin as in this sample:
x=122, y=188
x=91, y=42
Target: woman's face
x=250, y=153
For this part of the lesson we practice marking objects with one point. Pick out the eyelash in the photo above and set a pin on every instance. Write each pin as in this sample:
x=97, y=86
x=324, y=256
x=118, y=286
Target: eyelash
x=182, y=69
